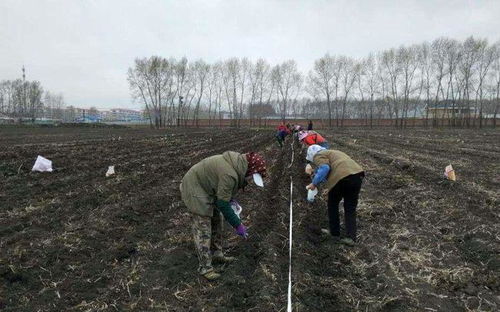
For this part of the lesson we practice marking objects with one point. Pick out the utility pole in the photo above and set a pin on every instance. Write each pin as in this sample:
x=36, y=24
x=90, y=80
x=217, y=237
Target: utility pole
x=24, y=108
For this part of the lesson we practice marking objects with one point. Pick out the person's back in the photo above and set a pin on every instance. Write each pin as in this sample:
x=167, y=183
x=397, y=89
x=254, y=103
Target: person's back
x=203, y=181
x=340, y=163
x=314, y=138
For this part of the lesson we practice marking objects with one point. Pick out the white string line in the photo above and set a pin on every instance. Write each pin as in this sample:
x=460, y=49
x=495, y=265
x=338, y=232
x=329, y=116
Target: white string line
x=291, y=162
x=289, y=309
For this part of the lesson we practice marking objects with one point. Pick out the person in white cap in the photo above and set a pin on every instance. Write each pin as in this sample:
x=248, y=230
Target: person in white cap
x=207, y=189
x=343, y=178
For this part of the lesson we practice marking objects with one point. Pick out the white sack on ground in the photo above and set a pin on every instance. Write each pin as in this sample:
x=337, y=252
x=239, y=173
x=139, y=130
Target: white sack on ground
x=42, y=164
x=111, y=171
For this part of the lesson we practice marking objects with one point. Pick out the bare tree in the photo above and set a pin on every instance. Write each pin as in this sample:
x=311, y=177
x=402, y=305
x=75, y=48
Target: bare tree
x=264, y=86
x=53, y=105
x=487, y=55
x=180, y=72
x=148, y=80
x=393, y=69
x=496, y=82
x=373, y=84
x=468, y=61
x=408, y=61
x=452, y=50
x=321, y=81
x=201, y=72
x=349, y=73
x=213, y=89
x=287, y=80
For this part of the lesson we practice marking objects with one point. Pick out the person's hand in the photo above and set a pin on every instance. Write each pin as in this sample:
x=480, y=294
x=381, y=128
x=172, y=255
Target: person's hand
x=241, y=230
x=311, y=187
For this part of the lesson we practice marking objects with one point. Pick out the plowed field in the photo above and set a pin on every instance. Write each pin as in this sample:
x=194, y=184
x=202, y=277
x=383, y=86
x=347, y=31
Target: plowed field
x=74, y=240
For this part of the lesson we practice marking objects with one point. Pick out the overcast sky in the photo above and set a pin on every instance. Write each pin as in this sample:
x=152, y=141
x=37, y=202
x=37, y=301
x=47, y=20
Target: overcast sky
x=84, y=48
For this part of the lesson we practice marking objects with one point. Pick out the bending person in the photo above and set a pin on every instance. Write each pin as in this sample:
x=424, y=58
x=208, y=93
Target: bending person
x=311, y=137
x=207, y=189
x=343, y=178
x=283, y=131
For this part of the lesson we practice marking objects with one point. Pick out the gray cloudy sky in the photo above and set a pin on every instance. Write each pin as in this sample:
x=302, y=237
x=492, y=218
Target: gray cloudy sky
x=84, y=48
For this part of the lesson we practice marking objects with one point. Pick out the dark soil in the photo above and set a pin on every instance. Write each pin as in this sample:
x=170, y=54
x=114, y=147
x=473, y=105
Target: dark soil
x=74, y=240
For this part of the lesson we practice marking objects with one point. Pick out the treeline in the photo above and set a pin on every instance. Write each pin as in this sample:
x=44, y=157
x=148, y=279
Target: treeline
x=461, y=78
x=445, y=79
x=173, y=91
x=28, y=100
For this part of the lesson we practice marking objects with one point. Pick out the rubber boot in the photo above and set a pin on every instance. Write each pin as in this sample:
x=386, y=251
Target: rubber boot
x=219, y=257
x=347, y=241
x=211, y=276
x=335, y=239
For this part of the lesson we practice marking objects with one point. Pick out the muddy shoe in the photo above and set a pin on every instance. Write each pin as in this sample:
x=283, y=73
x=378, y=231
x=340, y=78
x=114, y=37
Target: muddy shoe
x=223, y=259
x=347, y=241
x=335, y=239
x=211, y=276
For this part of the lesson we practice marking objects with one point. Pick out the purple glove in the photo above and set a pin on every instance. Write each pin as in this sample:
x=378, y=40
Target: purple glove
x=241, y=230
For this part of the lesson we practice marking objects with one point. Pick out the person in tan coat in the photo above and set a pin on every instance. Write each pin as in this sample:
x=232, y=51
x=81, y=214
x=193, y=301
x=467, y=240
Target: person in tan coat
x=342, y=178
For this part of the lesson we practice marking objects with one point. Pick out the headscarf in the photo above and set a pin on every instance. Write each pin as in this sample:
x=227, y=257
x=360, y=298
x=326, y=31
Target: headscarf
x=313, y=150
x=303, y=135
x=256, y=164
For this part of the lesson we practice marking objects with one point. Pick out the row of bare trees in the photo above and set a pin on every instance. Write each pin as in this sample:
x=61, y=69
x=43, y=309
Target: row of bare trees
x=175, y=91
x=27, y=99
x=446, y=82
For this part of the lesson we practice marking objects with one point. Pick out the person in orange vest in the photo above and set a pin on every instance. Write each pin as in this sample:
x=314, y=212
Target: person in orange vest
x=311, y=137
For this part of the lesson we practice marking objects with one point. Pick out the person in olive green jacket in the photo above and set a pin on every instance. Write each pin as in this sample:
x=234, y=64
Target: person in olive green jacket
x=343, y=178
x=207, y=189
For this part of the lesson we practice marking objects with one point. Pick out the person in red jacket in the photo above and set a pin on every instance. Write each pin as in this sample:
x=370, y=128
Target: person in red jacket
x=283, y=131
x=311, y=137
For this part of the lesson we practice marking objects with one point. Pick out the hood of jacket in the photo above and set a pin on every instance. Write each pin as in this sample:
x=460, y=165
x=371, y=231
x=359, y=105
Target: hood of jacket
x=239, y=163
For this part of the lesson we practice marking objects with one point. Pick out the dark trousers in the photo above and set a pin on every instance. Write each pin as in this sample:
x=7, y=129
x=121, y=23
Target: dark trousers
x=348, y=188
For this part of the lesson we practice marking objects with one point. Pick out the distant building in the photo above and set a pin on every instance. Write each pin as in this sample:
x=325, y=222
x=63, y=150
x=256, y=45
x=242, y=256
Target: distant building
x=123, y=115
x=112, y=115
x=86, y=115
x=226, y=115
x=48, y=121
x=4, y=119
x=441, y=112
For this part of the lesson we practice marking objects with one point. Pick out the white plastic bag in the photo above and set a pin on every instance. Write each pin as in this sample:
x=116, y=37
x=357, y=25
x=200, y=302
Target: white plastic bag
x=311, y=194
x=236, y=207
x=111, y=171
x=42, y=164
